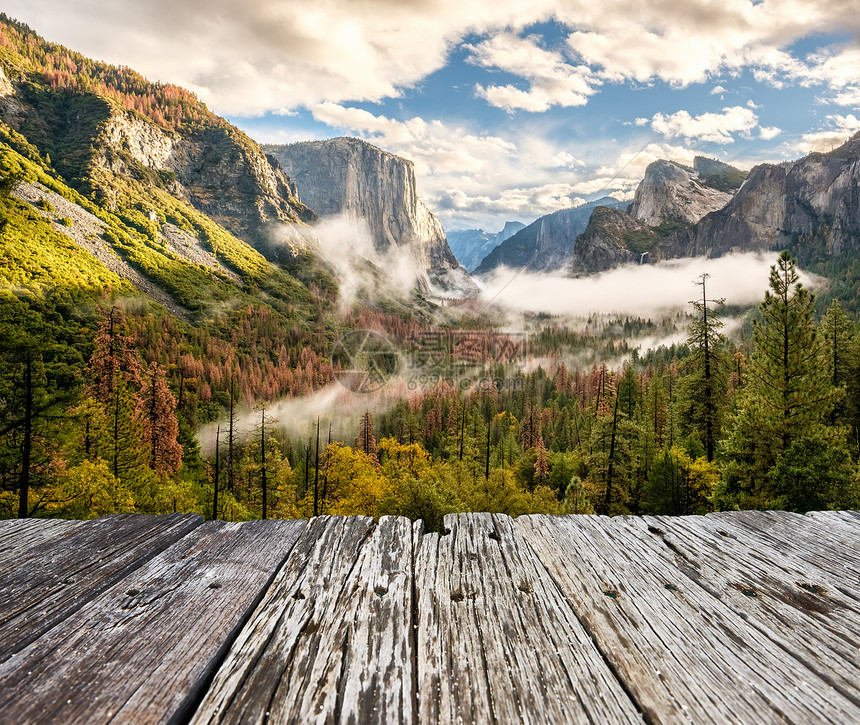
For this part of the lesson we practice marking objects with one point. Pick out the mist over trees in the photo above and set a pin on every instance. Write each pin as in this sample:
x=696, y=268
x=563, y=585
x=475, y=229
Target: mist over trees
x=99, y=414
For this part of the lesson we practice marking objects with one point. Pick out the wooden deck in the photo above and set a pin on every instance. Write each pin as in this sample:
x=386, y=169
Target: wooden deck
x=741, y=617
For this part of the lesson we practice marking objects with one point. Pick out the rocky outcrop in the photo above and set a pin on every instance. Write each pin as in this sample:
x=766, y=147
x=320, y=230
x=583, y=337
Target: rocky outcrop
x=815, y=200
x=546, y=245
x=217, y=169
x=470, y=246
x=612, y=238
x=348, y=176
x=671, y=192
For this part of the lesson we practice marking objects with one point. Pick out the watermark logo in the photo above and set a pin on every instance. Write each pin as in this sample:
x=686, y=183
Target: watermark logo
x=465, y=359
x=366, y=359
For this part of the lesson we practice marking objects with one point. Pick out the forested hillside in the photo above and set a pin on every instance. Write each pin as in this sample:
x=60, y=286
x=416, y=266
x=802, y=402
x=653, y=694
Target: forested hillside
x=141, y=300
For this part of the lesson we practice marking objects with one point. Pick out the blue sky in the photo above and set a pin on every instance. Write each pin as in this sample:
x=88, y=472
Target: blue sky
x=509, y=109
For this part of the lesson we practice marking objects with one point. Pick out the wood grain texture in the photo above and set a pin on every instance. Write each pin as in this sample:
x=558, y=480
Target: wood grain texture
x=18, y=536
x=683, y=649
x=497, y=642
x=743, y=617
x=143, y=651
x=789, y=601
x=63, y=572
x=331, y=641
x=832, y=548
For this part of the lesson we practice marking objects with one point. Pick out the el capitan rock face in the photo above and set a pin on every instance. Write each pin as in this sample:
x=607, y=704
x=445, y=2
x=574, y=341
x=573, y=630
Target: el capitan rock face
x=352, y=177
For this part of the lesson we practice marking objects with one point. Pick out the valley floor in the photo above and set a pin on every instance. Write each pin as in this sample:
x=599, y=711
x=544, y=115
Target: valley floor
x=732, y=617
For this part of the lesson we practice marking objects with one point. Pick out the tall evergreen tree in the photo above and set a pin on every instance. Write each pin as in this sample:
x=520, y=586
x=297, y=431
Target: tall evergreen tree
x=157, y=409
x=115, y=382
x=787, y=397
x=703, y=388
x=838, y=343
x=366, y=440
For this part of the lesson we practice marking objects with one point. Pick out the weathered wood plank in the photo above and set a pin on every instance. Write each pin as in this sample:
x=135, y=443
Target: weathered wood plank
x=684, y=653
x=850, y=519
x=791, y=602
x=497, y=642
x=18, y=536
x=144, y=650
x=831, y=548
x=331, y=641
x=64, y=572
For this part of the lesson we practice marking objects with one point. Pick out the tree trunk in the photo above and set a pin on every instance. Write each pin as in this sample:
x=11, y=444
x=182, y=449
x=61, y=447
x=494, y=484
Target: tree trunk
x=24, y=482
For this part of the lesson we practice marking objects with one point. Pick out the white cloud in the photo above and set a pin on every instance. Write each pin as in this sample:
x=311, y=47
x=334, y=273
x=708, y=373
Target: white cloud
x=713, y=127
x=629, y=166
x=769, y=132
x=276, y=55
x=434, y=147
x=718, y=90
x=552, y=80
x=839, y=129
x=848, y=97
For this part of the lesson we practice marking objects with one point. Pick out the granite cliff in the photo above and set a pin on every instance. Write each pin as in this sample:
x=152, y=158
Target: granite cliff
x=677, y=193
x=217, y=169
x=813, y=201
x=94, y=140
x=348, y=176
x=612, y=238
x=669, y=200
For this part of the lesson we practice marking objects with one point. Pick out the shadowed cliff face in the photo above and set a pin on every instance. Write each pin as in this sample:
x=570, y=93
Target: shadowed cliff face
x=210, y=164
x=611, y=239
x=347, y=176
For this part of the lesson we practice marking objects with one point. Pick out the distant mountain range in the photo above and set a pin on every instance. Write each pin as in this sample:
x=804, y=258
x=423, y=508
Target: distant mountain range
x=811, y=206
x=547, y=244
x=470, y=246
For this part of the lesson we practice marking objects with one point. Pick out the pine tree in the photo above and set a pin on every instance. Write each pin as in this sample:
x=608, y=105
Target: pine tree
x=703, y=389
x=366, y=440
x=787, y=397
x=115, y=382
x=157, y=410
x=838, y=344
x=541, y=465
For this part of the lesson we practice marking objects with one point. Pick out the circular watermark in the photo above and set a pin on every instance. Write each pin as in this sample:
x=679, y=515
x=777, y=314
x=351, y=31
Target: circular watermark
x=367, y=360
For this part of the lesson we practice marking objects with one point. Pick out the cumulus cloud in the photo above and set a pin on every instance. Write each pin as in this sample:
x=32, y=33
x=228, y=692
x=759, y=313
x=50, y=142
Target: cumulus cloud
x=271, y=55
x=552, y=80
x=837, y=131
x=629, y=166
x=713, y=127
x=848, y=97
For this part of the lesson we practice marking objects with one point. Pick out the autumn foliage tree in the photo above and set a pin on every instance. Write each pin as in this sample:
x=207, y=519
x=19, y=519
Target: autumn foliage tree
x=157, y=411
